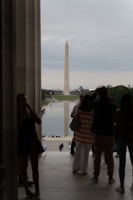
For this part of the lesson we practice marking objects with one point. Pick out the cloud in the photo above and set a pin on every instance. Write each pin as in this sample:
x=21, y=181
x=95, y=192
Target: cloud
x=99, y=33
x=89, y=79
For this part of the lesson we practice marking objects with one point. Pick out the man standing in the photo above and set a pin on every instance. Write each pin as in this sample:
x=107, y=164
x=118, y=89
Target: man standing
x=103, y=128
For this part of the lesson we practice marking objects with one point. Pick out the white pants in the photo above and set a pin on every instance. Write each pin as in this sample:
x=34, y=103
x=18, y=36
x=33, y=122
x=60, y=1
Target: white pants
x=80, y=162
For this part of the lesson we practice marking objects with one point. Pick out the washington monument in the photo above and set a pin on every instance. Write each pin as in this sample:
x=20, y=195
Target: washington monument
x=66, y=70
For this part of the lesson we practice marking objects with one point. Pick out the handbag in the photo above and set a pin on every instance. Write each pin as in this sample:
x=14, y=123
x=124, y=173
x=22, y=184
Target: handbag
x=75, y=123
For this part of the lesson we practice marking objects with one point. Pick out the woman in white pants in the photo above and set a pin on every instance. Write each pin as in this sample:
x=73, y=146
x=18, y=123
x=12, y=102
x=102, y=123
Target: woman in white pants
x=83, y=136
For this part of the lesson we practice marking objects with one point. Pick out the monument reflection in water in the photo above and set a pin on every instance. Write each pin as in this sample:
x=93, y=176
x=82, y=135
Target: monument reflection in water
x=56, y=119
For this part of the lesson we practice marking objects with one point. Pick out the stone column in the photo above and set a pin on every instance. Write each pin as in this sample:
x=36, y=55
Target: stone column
x=30, y=36
x=8, y=100
x=66, y=70
x=21, y=45
x=29, y=52
x=38, y=94
x=19, y=28
x=34, y=57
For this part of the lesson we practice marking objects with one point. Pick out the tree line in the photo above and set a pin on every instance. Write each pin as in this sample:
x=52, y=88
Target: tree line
x=114, y=92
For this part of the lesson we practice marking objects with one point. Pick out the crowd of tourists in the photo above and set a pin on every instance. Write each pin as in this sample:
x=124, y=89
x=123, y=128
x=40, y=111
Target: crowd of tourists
x=99, y=125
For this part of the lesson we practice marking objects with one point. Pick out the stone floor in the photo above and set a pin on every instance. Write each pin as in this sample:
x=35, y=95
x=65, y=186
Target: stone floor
x=58, y=183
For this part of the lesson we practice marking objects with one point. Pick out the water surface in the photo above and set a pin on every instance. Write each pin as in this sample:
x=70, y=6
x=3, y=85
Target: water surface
x=56, y=119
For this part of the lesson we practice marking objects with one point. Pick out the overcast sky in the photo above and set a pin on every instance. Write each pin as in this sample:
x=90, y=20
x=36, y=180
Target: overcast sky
x=100, y=38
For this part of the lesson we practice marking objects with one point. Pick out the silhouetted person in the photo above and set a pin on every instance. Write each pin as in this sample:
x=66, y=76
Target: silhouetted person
x=61, y=146
x=103, y=128
x=28, y=143
x=83, y=137
x=124, y=123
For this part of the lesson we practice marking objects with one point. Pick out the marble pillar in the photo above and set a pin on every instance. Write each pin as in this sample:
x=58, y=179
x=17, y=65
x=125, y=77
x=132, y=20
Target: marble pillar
x=28, y=43
x=8, y=134
x=19, y=72
x=66, y=70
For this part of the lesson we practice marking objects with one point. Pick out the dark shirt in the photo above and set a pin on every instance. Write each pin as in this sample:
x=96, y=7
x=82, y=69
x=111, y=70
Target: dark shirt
x=124, y=124
x=103, y=120
x=27, y=136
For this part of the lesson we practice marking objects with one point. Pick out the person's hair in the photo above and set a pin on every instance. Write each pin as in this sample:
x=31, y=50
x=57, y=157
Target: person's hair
x=85, y=104
x=19, y=95
x=103, y=92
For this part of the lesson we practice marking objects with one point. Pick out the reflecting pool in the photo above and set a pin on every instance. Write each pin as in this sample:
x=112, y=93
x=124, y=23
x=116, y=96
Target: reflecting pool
x=56, y=119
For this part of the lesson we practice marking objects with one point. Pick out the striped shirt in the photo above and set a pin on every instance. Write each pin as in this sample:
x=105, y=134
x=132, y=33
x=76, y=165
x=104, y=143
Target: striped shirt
x=84, y=135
